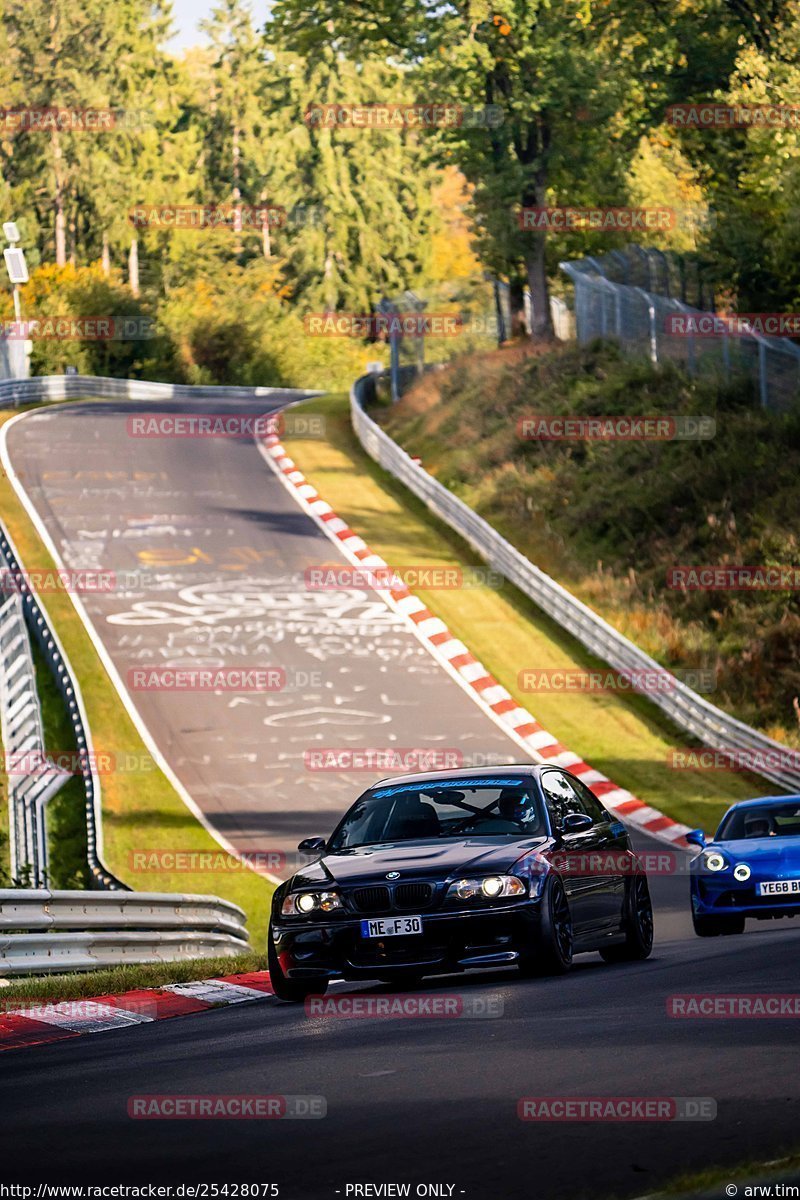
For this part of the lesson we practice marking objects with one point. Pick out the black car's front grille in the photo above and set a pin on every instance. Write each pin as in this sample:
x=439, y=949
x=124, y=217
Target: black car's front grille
x=412, y=895
x=372, y=899
x=401, y=897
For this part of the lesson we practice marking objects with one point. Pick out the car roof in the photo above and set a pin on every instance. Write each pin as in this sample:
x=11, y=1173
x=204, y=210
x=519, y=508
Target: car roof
x=521, y=769
x=764, y=800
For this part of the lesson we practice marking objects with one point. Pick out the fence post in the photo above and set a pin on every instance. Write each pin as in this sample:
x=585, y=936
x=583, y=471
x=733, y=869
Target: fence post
x=653, y=330
x=419, y=307
x=498, y=308
x=386, y=307
x=691, y=357
x=763, y=382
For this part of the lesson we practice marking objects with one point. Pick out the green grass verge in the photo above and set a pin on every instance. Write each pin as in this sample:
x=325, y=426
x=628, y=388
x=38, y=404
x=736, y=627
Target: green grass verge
x=626, y=738
x=141, y=809
x=711, y=1178
x=111, y=980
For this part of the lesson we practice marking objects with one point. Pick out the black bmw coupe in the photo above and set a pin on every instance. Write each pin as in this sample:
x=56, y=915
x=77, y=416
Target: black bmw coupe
x=446, y=871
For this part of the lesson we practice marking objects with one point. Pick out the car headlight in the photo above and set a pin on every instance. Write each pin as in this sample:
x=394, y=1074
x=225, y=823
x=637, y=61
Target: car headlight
x=304, y=904
x=492, y=887
x=741, y=872
x=713, y=861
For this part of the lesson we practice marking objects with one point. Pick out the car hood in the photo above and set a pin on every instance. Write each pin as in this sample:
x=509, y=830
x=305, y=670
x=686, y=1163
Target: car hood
x=418, y=860
x=761, y=851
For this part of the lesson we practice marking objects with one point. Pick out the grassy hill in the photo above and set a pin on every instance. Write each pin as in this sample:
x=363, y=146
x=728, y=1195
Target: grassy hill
x=610, y=519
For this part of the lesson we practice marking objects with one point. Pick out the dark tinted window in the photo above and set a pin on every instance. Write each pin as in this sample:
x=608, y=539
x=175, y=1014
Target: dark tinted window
x=590, y=803
x=763, y=820
x=565, y=795
x=408, y=812
x=560, y=797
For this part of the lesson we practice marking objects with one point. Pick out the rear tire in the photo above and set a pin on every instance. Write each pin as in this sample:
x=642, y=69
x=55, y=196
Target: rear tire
x=289, y=990
x=552, y=954
x=637, y=925
x=718, y=926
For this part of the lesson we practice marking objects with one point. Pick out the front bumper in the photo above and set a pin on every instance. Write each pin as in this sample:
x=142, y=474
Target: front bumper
x=721, y=894
x=449, y=942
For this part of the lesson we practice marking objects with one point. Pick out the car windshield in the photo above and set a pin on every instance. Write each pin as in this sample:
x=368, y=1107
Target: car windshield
x=503, y=808
x=762, y=821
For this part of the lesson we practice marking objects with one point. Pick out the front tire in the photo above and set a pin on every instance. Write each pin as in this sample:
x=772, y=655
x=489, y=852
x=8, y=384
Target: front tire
x=637, y=925
x=718, y=926
x=552, y=954
x=289, y=990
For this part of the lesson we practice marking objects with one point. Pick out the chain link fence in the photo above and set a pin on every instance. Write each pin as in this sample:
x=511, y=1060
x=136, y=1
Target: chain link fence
x=433, y=325
x=611, y=302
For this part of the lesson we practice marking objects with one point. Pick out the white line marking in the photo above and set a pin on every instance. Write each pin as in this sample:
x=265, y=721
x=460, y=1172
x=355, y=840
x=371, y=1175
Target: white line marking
x=82, y=1016
x=216, y=991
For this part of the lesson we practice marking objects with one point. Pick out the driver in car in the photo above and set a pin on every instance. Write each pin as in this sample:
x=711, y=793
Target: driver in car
x=515, y=804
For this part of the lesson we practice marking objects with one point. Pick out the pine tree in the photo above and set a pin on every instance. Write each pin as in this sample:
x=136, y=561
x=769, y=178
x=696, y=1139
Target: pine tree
x=366, y=193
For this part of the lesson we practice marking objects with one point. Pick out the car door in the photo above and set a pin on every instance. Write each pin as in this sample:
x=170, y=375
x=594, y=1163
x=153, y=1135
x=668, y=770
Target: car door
x=615, y=857
x=587, y=888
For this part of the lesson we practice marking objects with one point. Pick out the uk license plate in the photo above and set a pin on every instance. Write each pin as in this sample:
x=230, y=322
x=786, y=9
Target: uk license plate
x=779, y=887
x=391, y=927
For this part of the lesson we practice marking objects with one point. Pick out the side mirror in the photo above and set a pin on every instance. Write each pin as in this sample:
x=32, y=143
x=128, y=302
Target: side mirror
x=576, y=823
x=313, y=845
x=696, y=837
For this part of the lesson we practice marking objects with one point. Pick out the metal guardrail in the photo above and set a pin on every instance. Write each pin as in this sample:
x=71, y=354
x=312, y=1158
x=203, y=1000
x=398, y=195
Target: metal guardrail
x=14, y=392
x=688, y=710
x=32, y=781
x=44, y=931
x=39, y=625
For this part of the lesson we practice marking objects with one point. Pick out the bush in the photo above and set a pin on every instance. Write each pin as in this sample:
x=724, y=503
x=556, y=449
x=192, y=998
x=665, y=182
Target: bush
x=83, y=292
x=239, y=330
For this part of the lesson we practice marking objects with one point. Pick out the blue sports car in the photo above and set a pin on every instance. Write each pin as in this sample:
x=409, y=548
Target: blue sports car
x=750, y=869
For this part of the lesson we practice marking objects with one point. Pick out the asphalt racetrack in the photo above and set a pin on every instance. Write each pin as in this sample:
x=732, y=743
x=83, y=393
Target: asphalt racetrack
x=423, y=1101
x=433, y=1100
x=208, y=553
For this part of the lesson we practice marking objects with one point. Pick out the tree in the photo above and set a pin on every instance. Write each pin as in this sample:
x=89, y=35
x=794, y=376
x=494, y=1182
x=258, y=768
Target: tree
x=578, y=84
x=70, y=59
x=750, y=175
x=367, y=192
x=237, y=149
x=539, y=64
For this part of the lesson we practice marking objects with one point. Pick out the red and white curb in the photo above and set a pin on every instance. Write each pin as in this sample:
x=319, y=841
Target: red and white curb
x=36, y=1024
x=454, y=656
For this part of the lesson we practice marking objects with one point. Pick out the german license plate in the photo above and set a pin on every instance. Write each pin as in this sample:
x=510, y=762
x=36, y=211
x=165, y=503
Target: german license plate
x=779, y=887
x=391, y=927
